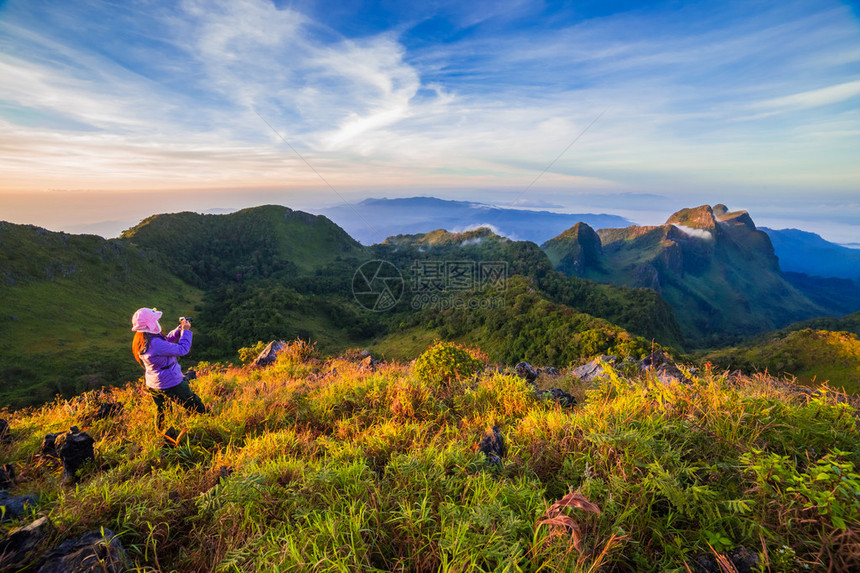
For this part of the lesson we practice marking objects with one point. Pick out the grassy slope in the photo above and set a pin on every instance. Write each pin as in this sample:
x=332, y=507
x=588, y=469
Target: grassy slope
x=336, y=468
x=265, y=273
x=848, y=323
x=807, y=354
x=67, y=305
x=67, y=299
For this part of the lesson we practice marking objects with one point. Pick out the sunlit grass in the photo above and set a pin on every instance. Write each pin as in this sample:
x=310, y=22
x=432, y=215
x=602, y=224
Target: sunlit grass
x=330, y=465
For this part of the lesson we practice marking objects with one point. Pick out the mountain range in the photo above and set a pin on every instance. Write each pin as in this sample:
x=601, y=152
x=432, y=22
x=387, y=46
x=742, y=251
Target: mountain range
x=373, y=220
x=807, y=253
x=706, y=278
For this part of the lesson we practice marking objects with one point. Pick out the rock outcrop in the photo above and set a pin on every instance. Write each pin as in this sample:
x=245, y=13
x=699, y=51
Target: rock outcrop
x=16, y=506
x=530, y=374
x=493, y=445
x=73, y=449
x=525, y=371
x=93, y=552
x=269, y=354
x=598, y=368
x=7, y=476
x=22, y=545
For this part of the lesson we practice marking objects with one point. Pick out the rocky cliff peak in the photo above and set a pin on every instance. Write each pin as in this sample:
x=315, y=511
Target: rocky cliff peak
x=735, y=218
x=701, y=217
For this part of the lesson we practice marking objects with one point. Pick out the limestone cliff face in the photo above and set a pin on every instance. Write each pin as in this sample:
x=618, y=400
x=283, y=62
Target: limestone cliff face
x=712, y=265
x=739, y=227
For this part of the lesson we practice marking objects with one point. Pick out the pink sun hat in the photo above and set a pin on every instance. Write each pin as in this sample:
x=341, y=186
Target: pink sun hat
x=146, y=320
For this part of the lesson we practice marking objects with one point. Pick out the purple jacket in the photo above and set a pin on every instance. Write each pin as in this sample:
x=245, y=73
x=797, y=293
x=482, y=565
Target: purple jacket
x=162, y=368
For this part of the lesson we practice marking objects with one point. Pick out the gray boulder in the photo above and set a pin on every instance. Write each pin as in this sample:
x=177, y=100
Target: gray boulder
x=742, y=560
x=595, y=370
x=93, y=552
x=49, y=446
x=493, y=445
x=670, y=374
x=368, y=362
x=74, y=449
x=664, y=369
x=16, y=506
x=526, y=372
x=558, y=395
x=269, y=354
x=20, y=547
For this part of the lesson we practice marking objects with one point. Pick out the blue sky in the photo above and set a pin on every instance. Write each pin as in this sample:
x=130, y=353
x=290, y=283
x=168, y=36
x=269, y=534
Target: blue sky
x=111, y=111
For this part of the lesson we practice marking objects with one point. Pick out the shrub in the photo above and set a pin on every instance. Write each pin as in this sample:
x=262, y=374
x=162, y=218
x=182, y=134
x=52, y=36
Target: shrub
x=298, y=350
x=445, y=362
x=249, y=353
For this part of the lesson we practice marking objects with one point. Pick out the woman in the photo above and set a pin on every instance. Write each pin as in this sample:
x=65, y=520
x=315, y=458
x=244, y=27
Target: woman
x=157, y=353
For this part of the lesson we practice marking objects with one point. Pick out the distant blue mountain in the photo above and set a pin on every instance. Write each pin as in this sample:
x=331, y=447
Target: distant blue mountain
x=373, y=220
x=807, y=253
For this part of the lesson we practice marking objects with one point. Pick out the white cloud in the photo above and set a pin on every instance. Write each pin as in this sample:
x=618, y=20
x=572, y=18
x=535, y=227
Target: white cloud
x=702, y=234
x=479, y=112
x=472, y=241
x=495, y=230
x=815, y=98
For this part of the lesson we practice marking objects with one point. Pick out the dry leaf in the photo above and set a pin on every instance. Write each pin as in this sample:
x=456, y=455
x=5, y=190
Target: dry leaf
x=574, y=500
x=563, y=521
x=558, y=521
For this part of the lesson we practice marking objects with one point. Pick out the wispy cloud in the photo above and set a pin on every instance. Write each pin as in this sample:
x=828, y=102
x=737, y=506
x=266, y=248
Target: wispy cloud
x=815, y=98
x=697, y=96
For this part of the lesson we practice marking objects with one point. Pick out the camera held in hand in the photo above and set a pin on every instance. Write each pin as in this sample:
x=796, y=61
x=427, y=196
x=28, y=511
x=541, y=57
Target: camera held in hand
x=181, y=318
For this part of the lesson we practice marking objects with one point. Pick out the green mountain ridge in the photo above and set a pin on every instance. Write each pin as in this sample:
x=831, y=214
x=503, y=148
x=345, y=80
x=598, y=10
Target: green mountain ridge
x=638, y=310
x=271, y=272
x=808, y=354
x=716, y=270
x=819, y=349
x=255, y=242
x=265, y=273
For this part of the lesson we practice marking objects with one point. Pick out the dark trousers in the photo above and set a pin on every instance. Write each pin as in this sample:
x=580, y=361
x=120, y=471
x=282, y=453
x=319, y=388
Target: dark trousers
x=181, y=394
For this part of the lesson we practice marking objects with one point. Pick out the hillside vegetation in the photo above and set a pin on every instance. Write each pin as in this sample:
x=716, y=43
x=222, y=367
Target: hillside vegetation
x=247, y=244
x=66, y=307
x=270, y=272
x=521, y=323
x=640, y=311
x=332, y=465
x=820, y=349
x=848, y=323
